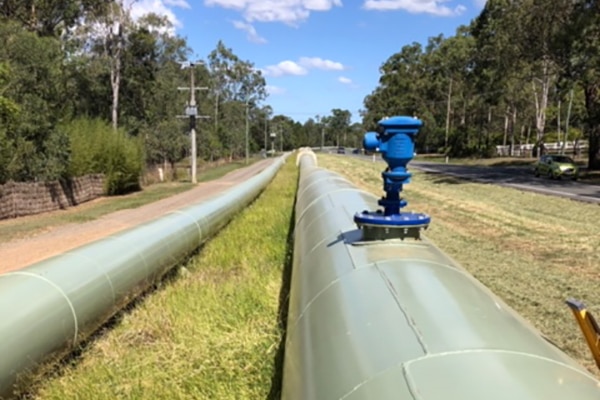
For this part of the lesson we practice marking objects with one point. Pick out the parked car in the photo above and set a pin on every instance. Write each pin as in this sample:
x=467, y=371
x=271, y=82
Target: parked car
x=357, y=151
x=341, y=150
x=556, y=167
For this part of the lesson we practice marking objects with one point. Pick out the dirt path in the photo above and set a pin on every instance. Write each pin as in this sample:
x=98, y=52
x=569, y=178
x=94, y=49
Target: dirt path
x=19, y=253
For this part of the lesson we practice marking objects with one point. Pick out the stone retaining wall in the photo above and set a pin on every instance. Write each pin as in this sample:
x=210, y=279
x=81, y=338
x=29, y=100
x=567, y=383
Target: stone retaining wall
x=26, y=198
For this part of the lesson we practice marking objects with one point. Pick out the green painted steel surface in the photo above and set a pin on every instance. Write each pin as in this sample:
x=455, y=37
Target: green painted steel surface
x=400, y=320
x=50, y=306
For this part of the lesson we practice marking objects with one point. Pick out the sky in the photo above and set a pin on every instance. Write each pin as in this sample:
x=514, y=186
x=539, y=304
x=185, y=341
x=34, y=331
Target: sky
x=316, y=55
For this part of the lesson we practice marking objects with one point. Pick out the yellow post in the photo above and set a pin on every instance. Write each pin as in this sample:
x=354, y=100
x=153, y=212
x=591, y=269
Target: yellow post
x=588, y=326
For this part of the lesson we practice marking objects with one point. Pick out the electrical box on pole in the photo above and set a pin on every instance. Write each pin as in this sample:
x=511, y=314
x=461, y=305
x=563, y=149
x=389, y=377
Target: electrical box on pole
x=191, y=112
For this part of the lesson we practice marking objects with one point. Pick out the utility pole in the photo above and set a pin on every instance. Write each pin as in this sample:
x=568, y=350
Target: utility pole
x=217, y=113
x=318, y=118
x=273, y=136
x=448, y=111
x=247, y=130
x=266, y=129
x=191, y=112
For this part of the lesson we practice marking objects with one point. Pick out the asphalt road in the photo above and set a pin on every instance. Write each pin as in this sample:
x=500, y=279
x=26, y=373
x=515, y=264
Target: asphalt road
x=516, y=177
x=520, y=177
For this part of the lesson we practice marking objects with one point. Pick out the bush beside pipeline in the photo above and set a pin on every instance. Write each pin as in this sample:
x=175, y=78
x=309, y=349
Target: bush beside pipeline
x=49, y=307
x=400, y=320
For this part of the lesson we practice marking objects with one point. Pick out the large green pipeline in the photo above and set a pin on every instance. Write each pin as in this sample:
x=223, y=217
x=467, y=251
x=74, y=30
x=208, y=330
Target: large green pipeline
x=399, y=319
x=49, y=307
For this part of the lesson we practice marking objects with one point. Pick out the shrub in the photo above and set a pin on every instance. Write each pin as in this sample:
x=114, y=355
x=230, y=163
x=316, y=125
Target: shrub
x=97, y=148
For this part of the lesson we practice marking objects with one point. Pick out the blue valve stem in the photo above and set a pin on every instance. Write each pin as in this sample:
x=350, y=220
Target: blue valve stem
x=392, y=186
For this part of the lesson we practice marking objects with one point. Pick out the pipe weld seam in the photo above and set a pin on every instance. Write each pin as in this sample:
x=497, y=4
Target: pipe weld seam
x=58, y=289
x=135, y=251
x=318, y=294
x=347, y=189
x=402, y=309
x=191, y=218
x=315, y=181
x=99, y=268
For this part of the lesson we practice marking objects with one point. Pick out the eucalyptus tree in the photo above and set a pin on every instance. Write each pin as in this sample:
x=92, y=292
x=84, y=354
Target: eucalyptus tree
x=151, y=102
x=339, y=125
x=9, y=111
x=577, y=49
x=103, y=36
x=284, y=128
x=356, y=134
x=398, y=91
x=312, y=132
x=32, y=103
x=447, y=89
x=240, y=87
x=48, y=17
x=500, y=71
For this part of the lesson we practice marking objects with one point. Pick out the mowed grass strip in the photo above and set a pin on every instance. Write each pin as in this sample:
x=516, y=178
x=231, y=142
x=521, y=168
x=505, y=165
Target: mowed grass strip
x=213, y=332
x=533, y=251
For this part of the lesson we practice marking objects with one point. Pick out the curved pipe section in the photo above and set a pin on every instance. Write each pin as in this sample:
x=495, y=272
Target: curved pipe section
x=400, y=320
x=50, y=306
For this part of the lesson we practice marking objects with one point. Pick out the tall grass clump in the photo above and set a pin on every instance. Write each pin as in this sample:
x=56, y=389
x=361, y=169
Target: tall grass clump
x=212, y=332
x=95, y=147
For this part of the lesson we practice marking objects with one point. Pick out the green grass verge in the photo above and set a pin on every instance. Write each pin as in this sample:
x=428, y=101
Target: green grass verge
x=213, y=332
x=532, y=250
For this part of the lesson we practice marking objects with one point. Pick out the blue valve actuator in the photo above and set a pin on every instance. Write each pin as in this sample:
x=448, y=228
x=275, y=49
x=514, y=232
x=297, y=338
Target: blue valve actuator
x=395, y=140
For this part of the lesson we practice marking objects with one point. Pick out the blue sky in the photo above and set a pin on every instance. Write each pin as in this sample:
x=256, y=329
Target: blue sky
x=316, y=55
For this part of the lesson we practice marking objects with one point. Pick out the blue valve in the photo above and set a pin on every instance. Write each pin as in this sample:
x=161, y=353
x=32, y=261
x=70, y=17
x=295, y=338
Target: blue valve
x=395, y=140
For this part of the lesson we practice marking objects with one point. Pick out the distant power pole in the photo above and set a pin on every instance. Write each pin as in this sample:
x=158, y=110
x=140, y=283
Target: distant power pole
x=191, y=112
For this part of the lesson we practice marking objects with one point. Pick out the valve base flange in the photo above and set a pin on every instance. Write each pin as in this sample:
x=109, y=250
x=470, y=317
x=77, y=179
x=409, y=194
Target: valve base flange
x=377, y=226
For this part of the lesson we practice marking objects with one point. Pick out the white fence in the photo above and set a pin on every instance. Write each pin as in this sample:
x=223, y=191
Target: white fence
x=525, y=150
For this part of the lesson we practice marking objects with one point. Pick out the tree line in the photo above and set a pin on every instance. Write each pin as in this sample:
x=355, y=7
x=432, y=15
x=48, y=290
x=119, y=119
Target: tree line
x=85, y=87
x=523, y=71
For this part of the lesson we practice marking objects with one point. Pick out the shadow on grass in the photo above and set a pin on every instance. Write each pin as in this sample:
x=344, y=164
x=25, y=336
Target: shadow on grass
x=439, y=178
x=282, y=313
x=511, y=163
x=449, y=181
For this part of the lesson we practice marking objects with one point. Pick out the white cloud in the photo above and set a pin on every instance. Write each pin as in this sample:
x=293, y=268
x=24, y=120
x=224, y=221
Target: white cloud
x=252, y=35
x=161, y=7
x=433, y=7
x=275, y=90
x=480, y=3
x=319, y=63
x=177, y=3
x=344, y=80
x=288, y=11
x=285, y=68
x=302, y=66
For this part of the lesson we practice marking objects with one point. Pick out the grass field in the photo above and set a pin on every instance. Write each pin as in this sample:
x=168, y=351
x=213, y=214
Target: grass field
x=534, y=251
x=211, y=332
